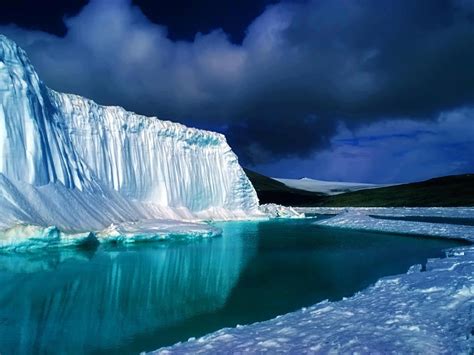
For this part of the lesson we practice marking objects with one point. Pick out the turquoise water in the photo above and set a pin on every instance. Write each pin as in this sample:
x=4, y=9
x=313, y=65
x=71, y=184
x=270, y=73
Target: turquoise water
x=126, y=300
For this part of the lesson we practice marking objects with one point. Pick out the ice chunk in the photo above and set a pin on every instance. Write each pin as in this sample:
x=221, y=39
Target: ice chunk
x=278, y=211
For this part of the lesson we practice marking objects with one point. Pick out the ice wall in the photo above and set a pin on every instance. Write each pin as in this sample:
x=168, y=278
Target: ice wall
x=74, y=144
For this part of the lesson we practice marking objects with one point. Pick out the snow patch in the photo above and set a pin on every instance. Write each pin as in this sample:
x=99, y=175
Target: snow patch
x=326, y=187
x=356, y=219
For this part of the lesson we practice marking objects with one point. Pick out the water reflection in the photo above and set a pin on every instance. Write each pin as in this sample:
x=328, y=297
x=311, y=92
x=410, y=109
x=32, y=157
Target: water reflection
x=100, y=300
x=127, y=300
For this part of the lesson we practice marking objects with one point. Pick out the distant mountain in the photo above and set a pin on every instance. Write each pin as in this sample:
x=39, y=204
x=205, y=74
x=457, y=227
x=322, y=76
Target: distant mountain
x=272, y=191
x=455, y=190
x=326, y=187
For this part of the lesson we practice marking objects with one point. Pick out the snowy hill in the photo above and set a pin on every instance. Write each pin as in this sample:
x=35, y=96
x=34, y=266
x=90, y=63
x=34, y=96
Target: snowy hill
x=69, y=162
x=326, y=187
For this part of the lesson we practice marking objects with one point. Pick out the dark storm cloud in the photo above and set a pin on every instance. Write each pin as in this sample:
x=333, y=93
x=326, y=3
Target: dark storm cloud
x=185, y=18
x=301, y=71
x=34, y=14
x=390, y=152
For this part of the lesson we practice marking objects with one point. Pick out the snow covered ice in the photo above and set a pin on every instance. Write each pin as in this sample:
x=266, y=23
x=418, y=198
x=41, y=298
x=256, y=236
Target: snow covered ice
x=445, y=212
x=71, y=163
x=354, y=219
x=326, y=187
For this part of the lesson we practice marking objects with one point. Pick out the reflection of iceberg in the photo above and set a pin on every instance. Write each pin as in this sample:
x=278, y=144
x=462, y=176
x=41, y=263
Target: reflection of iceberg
x=118, y=294
x=42, y=260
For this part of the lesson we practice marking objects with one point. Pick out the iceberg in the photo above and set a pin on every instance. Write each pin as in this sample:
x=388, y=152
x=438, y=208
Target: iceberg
x=71, y=163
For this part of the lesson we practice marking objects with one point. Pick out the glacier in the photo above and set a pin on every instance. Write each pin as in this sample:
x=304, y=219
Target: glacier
x=79, y=166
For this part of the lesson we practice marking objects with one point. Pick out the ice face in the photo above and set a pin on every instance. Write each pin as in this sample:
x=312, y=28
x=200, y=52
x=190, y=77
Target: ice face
x=147, y=167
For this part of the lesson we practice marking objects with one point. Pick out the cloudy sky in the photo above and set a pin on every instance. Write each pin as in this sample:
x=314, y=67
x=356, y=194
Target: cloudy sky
x=349, y=90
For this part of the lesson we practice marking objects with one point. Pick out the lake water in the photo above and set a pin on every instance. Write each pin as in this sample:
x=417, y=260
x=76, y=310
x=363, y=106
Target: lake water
x=131, y=299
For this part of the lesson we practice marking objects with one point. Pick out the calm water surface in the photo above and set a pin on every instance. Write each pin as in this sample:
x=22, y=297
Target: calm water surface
x=126, y=300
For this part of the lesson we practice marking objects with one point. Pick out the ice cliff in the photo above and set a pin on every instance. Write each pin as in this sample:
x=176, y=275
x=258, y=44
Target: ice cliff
x=69, y=162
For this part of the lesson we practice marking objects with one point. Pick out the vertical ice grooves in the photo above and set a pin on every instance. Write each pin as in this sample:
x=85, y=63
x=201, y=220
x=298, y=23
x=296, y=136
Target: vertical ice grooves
x=49, y=137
